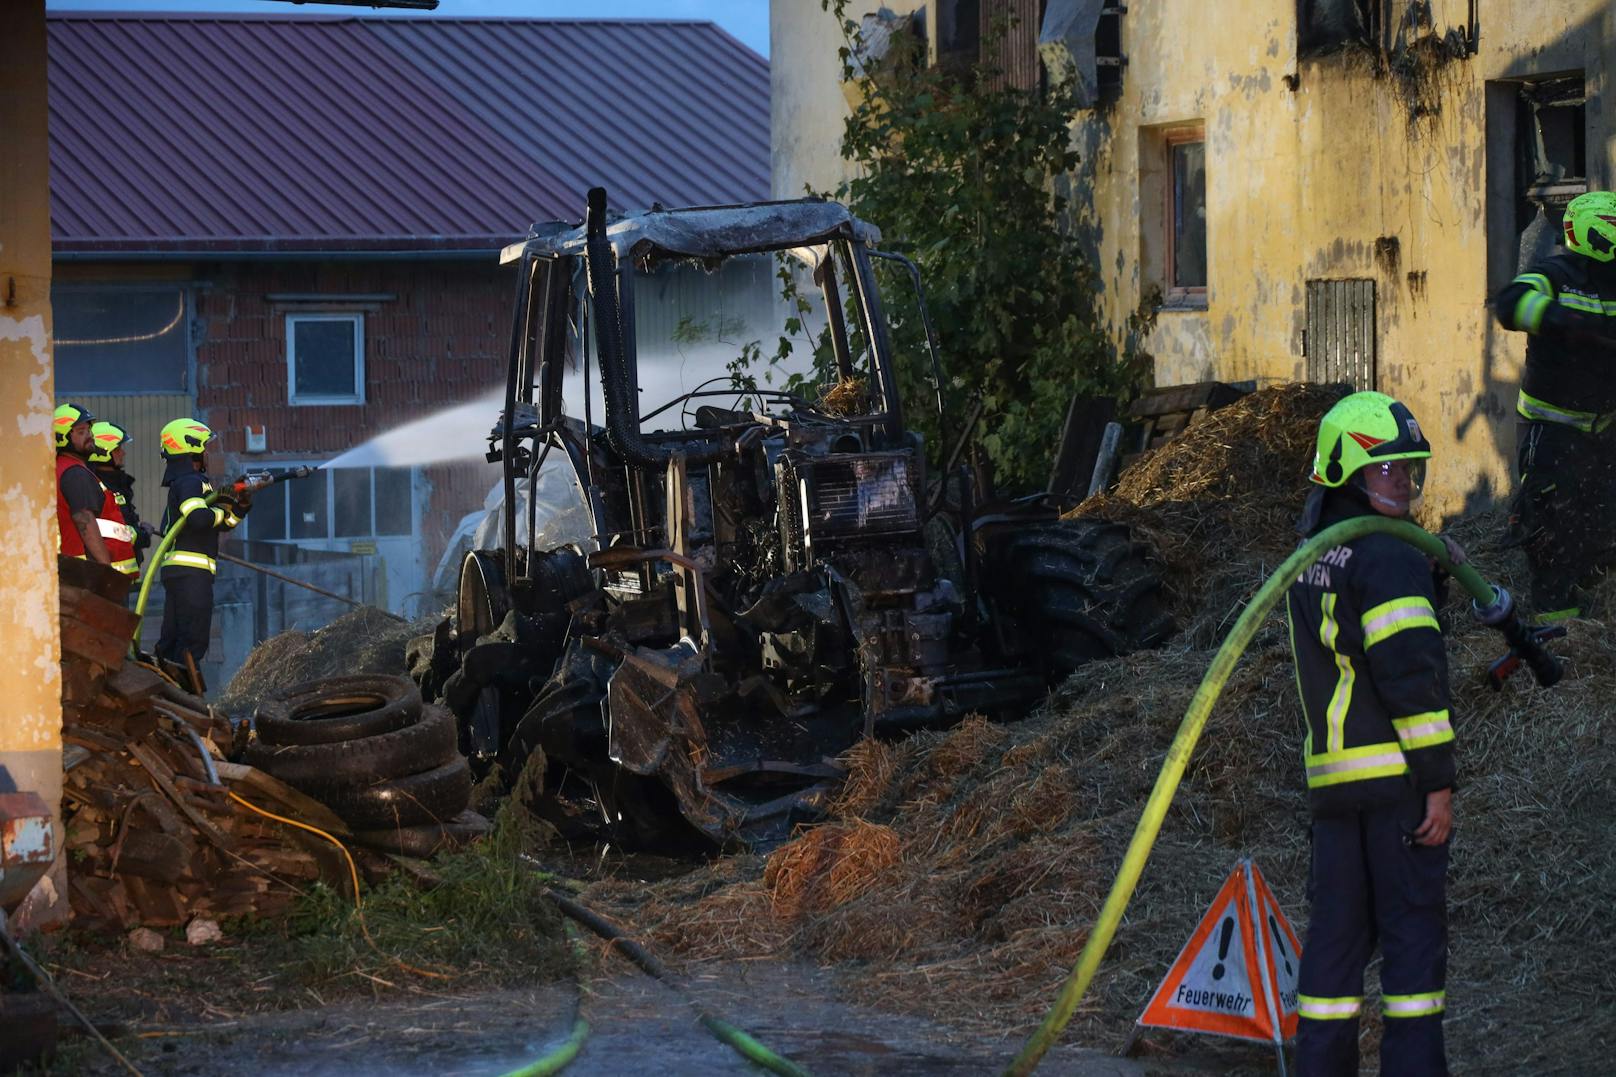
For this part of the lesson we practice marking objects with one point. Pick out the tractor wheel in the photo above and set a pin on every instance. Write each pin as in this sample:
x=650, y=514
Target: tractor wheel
x=1081, y=589
x=557, y=758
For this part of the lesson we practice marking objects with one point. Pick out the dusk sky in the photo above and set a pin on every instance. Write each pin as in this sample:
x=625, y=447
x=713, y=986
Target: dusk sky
x=747, y=20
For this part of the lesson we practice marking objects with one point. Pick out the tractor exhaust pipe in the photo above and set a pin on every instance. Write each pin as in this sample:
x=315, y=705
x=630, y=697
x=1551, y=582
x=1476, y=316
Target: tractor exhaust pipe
x=618, y=388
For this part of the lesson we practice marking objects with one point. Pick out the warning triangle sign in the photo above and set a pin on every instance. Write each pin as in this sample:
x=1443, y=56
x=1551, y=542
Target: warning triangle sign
x=1237, y=974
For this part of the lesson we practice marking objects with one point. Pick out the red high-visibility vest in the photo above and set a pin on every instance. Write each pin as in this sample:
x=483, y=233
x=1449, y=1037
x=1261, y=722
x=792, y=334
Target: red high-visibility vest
x=118, y=536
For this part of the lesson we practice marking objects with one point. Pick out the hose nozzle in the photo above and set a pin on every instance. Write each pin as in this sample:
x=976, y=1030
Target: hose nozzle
x=1526, y=643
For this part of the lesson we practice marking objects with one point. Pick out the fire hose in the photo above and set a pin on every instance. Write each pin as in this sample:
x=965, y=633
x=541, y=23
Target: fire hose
x=246, y=485
x=1493, y=607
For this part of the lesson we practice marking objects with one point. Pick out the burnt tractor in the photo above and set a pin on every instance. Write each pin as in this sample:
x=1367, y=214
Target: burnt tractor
x=753, y=577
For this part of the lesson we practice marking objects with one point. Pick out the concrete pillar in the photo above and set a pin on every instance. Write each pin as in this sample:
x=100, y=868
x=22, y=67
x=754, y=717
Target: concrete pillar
x=30, y=676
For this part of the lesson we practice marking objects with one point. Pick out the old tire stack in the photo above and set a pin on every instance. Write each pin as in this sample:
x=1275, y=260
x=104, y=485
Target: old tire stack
x=367, y=746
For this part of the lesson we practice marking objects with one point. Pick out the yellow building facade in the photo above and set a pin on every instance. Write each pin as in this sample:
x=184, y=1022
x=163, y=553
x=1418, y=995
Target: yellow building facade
x=1363, y=189
x=30, y=678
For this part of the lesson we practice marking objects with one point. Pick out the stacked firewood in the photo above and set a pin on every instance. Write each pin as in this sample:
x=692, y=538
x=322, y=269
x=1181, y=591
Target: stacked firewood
x=154, y=836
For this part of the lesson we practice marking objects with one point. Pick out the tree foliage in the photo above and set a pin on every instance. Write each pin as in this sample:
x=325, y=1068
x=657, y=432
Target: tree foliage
x=960, y=174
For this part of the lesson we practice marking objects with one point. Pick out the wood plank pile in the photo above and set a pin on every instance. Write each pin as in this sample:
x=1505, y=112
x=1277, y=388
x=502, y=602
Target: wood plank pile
x=153, y=836
x=1159, y=415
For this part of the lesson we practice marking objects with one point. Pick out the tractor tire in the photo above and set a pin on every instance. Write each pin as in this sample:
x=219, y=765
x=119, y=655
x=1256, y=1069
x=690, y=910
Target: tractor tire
x=427, y=839
x=437, y=795
x=339, y=709
x=1080, y=589
x=321, y=769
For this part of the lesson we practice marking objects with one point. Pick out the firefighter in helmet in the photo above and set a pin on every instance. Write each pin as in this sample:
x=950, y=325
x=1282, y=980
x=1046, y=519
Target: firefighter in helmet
x=111, y=445
x=87, y=513
x=1373, y=679
x=190, y=564
x=1566, y=434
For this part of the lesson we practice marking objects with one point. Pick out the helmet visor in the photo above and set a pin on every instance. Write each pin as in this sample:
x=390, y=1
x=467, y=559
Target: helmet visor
x=1391, y=481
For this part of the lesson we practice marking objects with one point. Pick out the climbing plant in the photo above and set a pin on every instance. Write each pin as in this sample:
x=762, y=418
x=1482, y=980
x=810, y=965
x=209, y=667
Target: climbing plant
x=962, y=175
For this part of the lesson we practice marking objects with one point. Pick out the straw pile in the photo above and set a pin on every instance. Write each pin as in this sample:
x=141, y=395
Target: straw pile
x=1217, y=505
x=997, y=844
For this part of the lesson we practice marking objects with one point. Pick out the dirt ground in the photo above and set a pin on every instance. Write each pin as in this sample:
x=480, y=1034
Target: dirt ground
x=220, y=1012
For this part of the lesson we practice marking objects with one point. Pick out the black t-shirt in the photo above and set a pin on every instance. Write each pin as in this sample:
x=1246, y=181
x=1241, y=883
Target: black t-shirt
x=82, y=490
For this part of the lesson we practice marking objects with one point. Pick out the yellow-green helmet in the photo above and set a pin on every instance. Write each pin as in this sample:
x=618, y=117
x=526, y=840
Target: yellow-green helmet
x=1363, y=429
x=67, y=417
x=109, y=437
x=184, y=437
x=1590, y=226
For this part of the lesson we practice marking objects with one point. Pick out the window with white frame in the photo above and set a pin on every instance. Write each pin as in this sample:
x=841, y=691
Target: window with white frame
x=325, y=358
x=336, y=503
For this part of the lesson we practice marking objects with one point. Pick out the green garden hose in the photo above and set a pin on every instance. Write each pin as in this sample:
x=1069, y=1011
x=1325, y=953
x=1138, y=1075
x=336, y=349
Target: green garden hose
x=741, y=1042
x=563, y=1054
x=153, y=565
x=1493, y=608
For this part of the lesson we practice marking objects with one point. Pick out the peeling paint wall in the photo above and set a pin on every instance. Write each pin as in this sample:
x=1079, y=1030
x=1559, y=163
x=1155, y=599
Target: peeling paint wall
x=1315, y=169
x=1319, y=168
x=807, y=109
x=30, y=680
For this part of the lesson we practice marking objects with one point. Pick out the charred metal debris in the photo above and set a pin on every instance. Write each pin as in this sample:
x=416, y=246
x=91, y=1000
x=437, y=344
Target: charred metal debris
x=765, y=584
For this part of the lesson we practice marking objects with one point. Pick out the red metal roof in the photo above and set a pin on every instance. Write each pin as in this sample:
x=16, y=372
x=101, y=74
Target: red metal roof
x=219, y=133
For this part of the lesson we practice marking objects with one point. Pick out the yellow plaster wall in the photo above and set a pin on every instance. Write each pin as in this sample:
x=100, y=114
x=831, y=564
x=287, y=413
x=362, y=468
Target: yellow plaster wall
x=807, y=109
x=1303, y=181
x=30, y=717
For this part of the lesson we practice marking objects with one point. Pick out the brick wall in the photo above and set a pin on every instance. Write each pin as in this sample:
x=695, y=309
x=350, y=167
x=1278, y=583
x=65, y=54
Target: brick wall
x=440, y=340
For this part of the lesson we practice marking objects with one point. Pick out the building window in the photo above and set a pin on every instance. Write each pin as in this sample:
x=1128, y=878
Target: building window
x=335, y=503
x=1326, y=25
x=1341, y=332
x=121, y=339
x=1186, y=218
x=1551, y=131
x=325, y=358
x=1172, y=218
x=1537, y=135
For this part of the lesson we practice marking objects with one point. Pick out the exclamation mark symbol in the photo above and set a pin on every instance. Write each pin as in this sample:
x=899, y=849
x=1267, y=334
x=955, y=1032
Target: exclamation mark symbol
x=1279, y=941
x=1223, y=947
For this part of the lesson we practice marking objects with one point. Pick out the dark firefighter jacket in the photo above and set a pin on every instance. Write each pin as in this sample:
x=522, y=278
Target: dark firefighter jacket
x=1566, y=381
x=1371, y=669
x=122, y=485
x=197, y=544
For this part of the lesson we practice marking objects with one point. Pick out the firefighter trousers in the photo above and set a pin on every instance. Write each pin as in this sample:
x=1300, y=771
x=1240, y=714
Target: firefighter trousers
x=1564, y=511
x=187, y=614
x=1370, y=882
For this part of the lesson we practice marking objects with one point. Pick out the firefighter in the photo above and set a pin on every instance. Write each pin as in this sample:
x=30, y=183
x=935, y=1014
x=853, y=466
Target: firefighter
x=1566, y=431
x=106, y=460
x=1373, y=678
x=189, y=566
x=87, y=512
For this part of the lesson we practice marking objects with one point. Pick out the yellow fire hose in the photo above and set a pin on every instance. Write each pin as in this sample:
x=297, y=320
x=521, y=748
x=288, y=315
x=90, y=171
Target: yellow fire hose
x=1493, y=608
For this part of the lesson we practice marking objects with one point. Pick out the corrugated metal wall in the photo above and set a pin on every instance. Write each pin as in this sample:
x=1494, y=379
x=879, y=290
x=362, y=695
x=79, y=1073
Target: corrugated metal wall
x=143, y=416
x=1012, y=49
x=1341, y=332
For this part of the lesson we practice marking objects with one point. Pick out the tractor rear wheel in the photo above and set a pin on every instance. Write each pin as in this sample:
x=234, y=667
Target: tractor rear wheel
x=1081, y=589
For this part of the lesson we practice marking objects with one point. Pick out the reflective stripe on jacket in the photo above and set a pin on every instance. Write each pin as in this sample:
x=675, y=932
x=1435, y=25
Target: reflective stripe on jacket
x=118, y=537
x=1564, y=382
x=197, y=543
x=1372, y=673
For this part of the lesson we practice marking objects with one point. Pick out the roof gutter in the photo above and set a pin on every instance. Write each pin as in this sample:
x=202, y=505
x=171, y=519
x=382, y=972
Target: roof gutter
x=480, y=254
x=435, y=248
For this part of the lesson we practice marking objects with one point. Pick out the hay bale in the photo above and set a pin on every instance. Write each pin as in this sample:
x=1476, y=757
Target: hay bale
x=828, y=866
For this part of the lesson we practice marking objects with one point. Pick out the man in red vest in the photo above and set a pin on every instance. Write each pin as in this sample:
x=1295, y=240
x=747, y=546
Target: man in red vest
x=86, y=511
